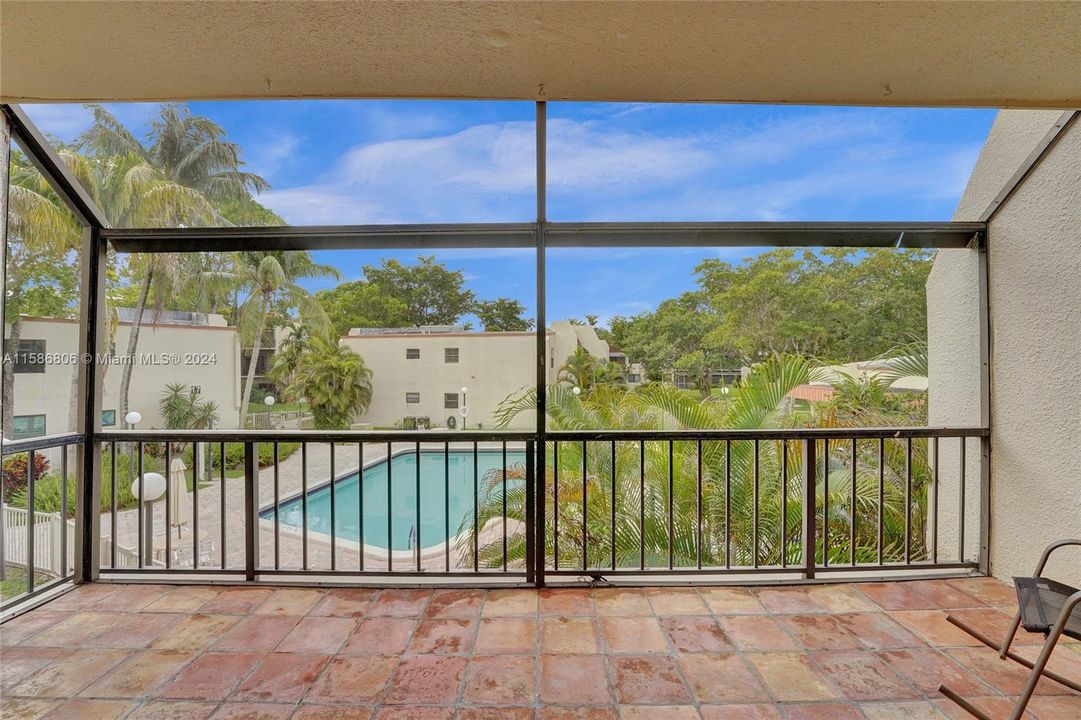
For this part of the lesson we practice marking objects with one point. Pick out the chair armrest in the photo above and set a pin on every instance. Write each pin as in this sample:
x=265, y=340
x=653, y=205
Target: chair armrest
x=1051, y=548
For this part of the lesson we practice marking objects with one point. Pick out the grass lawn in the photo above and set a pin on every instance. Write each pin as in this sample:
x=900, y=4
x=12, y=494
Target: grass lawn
x=15, y=582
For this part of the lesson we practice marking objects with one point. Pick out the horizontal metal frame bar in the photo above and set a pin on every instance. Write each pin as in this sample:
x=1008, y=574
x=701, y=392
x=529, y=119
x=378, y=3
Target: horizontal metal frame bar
x=16, y=600
x=11, y=447
x=764, y=234
x=748, y=570
x=313, y=436
x=324, y=237
x=49, y=164
x=558, y=235
x=765, y=434
x=190, y=572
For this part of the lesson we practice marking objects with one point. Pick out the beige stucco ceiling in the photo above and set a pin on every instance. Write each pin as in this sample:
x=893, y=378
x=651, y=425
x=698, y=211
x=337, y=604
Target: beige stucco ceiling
x=908, y=53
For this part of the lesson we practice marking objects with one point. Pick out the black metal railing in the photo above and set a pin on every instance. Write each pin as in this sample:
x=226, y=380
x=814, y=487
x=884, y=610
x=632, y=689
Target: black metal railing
x=710, y=504
x=37, y=524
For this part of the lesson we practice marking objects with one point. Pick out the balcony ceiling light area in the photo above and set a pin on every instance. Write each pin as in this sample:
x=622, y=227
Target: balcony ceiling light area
x=1003, y=54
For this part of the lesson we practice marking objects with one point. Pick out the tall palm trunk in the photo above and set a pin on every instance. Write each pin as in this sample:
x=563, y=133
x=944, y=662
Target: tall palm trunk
x=249, y=378
x=133, y=345
x=9, y=376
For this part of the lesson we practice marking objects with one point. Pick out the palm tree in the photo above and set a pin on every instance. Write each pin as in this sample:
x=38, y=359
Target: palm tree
x=583, y=370
x=183, y=408
x=645, y=480
x=334, y=381
x=270, y=280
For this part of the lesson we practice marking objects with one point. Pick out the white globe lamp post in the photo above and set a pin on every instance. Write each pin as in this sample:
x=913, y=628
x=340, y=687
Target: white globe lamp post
x=147, y=489
x=463, y=409
x=269, y=401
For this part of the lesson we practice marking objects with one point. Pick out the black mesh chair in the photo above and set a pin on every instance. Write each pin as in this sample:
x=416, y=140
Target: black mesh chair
x=1044, y=606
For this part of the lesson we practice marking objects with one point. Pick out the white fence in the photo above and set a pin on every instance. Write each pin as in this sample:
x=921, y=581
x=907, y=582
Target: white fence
x=47, y=543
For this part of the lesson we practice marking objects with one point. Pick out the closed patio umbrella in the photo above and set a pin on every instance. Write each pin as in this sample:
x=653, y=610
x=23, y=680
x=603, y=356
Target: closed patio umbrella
x=178, y=495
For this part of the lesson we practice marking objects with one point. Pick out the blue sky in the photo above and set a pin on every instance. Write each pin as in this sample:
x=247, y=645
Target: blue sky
x=351, y=161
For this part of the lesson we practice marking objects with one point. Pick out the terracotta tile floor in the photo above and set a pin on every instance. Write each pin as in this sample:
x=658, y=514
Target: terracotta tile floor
x=873, y=651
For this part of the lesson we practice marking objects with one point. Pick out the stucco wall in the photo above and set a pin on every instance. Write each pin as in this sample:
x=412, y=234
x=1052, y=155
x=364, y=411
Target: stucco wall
x=1035, y=312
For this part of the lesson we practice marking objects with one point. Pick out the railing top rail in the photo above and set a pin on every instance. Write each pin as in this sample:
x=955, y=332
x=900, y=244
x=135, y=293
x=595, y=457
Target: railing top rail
x=11, y=447
x=846, y=433
x=315, y=436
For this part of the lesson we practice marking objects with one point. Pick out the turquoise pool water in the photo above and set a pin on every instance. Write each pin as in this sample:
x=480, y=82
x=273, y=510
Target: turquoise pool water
x=403, y=498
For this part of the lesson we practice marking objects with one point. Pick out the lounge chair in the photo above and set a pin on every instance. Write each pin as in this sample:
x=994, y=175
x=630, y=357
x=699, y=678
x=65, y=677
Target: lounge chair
x=1044, y=606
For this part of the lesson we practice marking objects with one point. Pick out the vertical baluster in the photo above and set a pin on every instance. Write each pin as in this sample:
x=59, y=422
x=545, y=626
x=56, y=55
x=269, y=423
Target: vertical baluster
x=168, y=505
x=934, y=501
x=277, y=511
x=503, y=475
x=784, y=503
x=728, y=503
x=555, y=506
x=446, y=506
x=698, y=509
x=63, y=512
x=852, y=512
x=585, y=511
x=754, y=528
x=195, y=469
x=304, y=504
x=961, y=510
x=476, y=508
x=671, y=503
x=613, y=503
x=112, y=504
x=641, y=504
x=416, y=533
x=360, y=504
x=390, y=507
x=825, y=502
x=333, y=512
x=908, y=500
x=31, y=551
x=881, y=496
x=221, y=506
x=139, y=469
x=810, y=512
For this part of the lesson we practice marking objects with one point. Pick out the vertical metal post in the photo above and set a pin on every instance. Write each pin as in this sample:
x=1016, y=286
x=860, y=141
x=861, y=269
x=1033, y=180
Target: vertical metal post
x=530, y=520
x=985, y=403
x=251, y=509
x=88, y=468
x=31, y=481
x=538, y=498
x=810, y=480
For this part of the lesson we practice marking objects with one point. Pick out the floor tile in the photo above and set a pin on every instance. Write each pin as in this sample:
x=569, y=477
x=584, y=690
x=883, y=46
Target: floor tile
x=253, y=711
x=566, y=601
x=211, y=676
x=696, y=634
x=362, y=680
x=731, y=601
x=290, y=601
x=753, y=633
x=633, y=635
x=136, y=630
x=676, y=601
x=895, y=596
x=994, y=623
x=820, y=632
x=129, y=598
x=69, y=673
x=989, y=590
x=577, y=713
x=500, y=680
x=1005, y=676
x=995, y=706
x=345, y=602
x=862, y=676
x=173, y=710
x=514, y=635
x=574, y=680
x=510, y=602
x=84, y=597
x=256, y=634
x=945, y=596
x=721, y=678
x=879, y=631
x=932, y=626
x=322, y=635
x=86, y=709
x=380, y=636
x=28, y=708
x=569, y=635
x=24, y=626
x=185, y=598
x=787, y=600
x=926, y=669
x=759, y=711
x=494, y=713
x=407, y=712
x=901, y=711
x=426, y=680
x=822, y=711
x=658, y=712
x=74, y=630
x=332, y=712
x=236, y=600
x=789, y=677
x=282, y=677
x=139, y=674
x=19, y=663
x=1060, y=707
x=443, y=637
x=195, y=633
x=399, y=603
x=648, y=680
x=621, y=601
x=455, y=604
x=840, y=599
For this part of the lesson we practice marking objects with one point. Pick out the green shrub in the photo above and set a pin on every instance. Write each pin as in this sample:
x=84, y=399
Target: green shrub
x=234, y=454
x=47, y=495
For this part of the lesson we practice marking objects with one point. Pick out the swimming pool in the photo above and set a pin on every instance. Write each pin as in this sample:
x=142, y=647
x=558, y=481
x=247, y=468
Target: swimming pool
x=401, y=523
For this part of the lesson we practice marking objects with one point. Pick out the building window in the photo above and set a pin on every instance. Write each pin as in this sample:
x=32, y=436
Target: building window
x=108, y=418
x=450, y=401
x=634, y=378
x=450, y=355
x=412, y=353
x=30, y=357
x=28, y=426
x=412, y=398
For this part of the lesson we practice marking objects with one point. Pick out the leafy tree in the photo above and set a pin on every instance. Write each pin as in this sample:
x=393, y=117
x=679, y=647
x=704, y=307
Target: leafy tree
x=432, y=294
x=362, y=304
x=584, y=371
x=502, y=314
x=678, y=327
x=184, y=409
x=334, y=381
